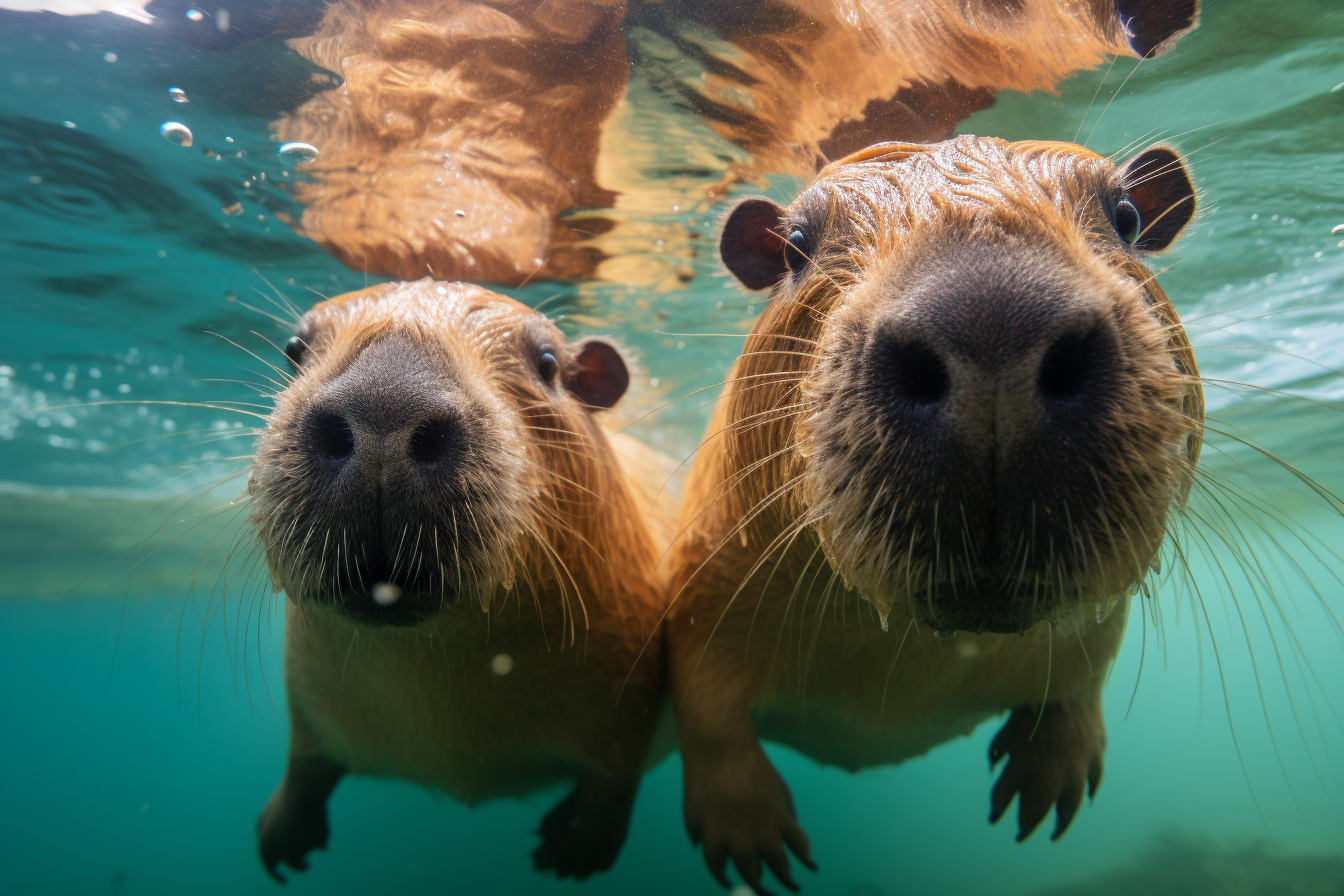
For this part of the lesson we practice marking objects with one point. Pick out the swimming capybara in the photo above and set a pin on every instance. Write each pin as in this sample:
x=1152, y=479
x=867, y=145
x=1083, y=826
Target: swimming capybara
x=966, y=410
x=469, y=561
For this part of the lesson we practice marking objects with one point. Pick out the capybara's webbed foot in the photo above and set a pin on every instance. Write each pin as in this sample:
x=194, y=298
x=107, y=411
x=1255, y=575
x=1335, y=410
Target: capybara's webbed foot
x=584, y=832
x=740, y=807
x=294, y=821
x=1053, y=754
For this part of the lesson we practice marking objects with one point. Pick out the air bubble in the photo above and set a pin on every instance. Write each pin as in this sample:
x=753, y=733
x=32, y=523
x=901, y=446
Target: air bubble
x=109, y=56
x=297, y=153
x=178, y=94
x=502, y=664
x=195, y=15
x=945, y=636
x=177, y=132
x=385, y=594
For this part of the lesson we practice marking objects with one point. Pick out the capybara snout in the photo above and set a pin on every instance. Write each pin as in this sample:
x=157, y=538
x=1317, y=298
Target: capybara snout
x=391, y=446
x=995, y=408
x=990, y=390
x=419, y=445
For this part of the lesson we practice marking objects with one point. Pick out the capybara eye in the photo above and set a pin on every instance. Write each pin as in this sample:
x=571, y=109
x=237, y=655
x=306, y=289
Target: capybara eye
x=1127, y=222
x=548, y=367
x=797, y=249
x=295, y=349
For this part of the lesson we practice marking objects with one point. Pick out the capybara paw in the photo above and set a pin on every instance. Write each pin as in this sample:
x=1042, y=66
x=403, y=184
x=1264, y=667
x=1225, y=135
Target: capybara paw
x=743, y=810
x=1053, y=754
x=583, y=834
x=288, y=830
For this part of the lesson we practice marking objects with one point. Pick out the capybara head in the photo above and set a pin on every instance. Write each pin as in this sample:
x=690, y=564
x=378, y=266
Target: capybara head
x=436, y=443
x=966, y=382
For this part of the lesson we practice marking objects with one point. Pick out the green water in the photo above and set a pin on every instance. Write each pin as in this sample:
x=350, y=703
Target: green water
x=143, y=721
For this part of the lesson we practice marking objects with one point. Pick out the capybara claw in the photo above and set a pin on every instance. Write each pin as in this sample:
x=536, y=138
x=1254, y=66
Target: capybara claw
x=583, y=833
x=288, y=830
x=1053, y=755
x=746, y=813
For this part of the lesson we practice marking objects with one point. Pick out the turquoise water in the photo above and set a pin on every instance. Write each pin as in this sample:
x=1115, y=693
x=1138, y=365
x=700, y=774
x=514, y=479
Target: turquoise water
x=144, y=721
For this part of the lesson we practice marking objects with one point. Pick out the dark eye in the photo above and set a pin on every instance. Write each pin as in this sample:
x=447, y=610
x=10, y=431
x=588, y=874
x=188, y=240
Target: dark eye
x=295, y=349
x=548, y=367
x=797, y=249
x=1127, y=222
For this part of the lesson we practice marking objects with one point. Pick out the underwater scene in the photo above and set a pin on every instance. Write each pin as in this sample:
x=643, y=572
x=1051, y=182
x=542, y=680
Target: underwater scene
x=180, y=184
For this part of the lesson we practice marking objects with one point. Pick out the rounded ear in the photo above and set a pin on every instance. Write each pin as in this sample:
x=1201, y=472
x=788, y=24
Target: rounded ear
x=1153, y=26
x=599, y=377
x=1156, y=182
x=751, y=245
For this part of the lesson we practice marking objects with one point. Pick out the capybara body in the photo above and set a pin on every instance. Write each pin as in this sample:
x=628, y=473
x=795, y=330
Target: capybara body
x=469, y=561
x=941, y=466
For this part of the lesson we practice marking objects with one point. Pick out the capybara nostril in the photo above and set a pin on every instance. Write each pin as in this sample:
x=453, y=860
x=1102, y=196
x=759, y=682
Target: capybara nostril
x=330, y=437
x=916, y=372
x=435, y=441
x=1071, y=366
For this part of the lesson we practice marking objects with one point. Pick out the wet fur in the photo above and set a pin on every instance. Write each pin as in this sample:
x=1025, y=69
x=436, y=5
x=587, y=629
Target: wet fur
x=562, y=580
x=794, y=615
x=501, y=109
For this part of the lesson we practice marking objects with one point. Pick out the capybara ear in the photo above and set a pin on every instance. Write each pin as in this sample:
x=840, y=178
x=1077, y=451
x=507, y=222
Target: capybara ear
x=1157, y=184
x=599, y=377
x=751, y=245
x=1153, y=26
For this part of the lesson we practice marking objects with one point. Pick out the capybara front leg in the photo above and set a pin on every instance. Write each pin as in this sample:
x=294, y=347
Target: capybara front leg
x=294, y=821
x=1053, y=755
x=584, y=832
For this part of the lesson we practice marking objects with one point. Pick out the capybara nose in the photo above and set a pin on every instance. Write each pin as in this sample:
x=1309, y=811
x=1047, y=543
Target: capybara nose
x=388, y=412
x=993, y=352
x=998, y=382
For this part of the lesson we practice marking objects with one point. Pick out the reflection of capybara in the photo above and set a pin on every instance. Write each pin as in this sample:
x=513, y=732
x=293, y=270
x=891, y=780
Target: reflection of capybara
x=794, y=81
x=967, y=410
x=464, y=130
x=444, y=512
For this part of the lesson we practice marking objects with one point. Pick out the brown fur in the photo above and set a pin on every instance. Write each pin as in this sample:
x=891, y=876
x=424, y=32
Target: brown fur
x=792, y=81
x=797, y=615
x=499, y=108
x=493, y=109
x=561, y=578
